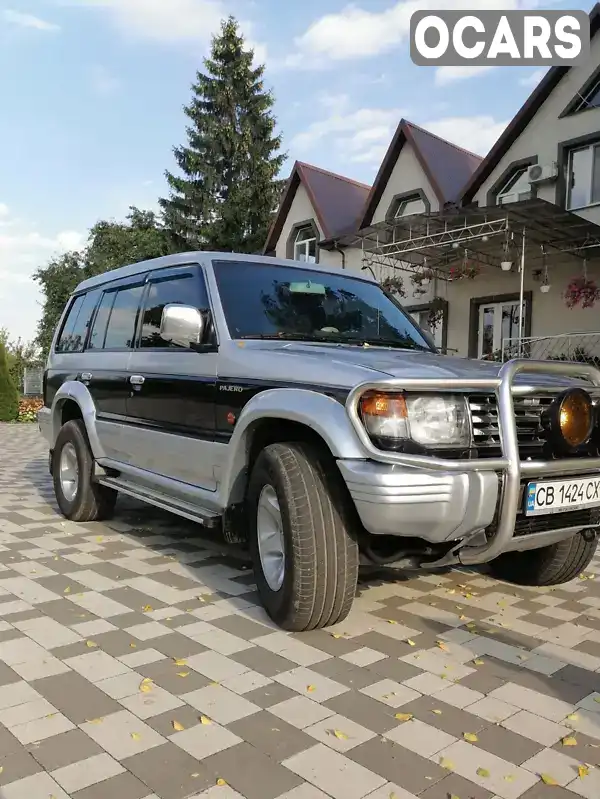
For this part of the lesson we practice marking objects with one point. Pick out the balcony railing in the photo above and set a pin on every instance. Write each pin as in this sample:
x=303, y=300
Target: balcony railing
x=579, y=347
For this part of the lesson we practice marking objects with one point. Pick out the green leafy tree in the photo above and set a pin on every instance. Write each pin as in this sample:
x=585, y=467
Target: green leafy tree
x=227, y=191
x=110, y=245
x=19, y=355
x=9, y=397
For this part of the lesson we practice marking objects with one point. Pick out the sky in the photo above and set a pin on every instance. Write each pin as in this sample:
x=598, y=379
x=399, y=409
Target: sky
x=92, y=94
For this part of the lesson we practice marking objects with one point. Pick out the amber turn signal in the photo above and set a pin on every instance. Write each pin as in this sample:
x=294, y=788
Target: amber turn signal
x=576, y=417
x=381, y=404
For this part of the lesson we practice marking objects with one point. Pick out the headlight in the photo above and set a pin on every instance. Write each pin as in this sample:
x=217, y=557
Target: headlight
x=429, y=420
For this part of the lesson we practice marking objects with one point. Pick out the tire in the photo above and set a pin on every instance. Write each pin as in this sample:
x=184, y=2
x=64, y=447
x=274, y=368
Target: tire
x=91, y=502
x=320, y=561
x=552, y=565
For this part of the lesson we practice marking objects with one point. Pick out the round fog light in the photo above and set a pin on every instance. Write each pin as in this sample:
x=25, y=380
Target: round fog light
x=573, y=419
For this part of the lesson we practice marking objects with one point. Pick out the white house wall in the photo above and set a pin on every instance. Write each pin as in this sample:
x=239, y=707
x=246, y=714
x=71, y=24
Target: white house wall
x=300, y=210
x=546, y=130
x=407, y=175
x=549, y=314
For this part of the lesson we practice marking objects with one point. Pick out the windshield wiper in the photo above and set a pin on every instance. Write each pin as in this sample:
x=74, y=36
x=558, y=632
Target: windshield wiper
x=326, y=337
x=393, y=342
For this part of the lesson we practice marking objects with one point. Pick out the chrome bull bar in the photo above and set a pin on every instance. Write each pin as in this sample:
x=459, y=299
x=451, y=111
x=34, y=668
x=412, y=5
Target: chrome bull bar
x=510, y=464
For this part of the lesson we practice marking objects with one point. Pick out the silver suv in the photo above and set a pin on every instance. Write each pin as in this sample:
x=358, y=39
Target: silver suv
x=301, y=411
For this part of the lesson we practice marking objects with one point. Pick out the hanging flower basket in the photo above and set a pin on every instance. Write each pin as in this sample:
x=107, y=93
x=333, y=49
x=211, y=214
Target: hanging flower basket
x=582, y=292
x=469, y=271
x=422, y=279
x=436, y=312
x=394, y=285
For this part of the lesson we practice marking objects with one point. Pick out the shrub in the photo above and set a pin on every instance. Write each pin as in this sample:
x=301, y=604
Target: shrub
x=28, y=409
x=9, y=398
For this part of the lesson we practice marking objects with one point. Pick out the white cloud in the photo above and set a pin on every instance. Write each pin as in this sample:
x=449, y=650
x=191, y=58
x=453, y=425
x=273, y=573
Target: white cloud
x=532, y=80
x=446, y=75
x=360, y=135
x=357, y=33
x=28, y=20
x=363, y=135
x=22, y=251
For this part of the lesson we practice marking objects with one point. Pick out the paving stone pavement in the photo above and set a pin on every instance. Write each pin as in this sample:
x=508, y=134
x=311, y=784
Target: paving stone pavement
x=136, y=663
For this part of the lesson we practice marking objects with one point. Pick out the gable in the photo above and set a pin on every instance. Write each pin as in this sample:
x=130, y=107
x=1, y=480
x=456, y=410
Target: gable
x=301, y=210
x=541, y=124
x=407, y=176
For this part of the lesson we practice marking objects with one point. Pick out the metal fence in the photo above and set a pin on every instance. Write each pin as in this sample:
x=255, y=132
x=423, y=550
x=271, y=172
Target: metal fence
x=580, y=347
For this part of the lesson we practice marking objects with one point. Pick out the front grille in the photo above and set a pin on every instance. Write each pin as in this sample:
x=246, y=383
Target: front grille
x=528, y=525
x=528, y=413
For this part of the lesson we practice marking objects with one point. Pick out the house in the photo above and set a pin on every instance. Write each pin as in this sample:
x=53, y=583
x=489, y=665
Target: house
x=523, y=222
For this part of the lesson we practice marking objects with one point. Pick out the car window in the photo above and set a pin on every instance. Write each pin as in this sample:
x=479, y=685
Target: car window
x=181, y=290
x=74, y=332
x=278, y=301
x=120, y=331
x=98, y=333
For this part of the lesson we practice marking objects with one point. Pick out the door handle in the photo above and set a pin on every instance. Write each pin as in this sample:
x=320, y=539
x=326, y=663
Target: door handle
x=137, y=380
x=85, y=377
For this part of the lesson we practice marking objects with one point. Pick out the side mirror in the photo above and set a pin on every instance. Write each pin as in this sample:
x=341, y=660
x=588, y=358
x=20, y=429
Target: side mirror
x=182, y=325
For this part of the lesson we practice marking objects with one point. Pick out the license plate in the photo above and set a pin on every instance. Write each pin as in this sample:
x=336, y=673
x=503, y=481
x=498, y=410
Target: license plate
x=555, y=496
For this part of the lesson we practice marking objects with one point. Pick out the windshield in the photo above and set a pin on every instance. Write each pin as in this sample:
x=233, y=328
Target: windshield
x=274, y=301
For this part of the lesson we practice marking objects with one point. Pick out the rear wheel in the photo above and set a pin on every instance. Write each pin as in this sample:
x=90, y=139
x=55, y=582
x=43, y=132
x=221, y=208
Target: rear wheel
x=78, y=496
x=302, y=537
x=552, y=565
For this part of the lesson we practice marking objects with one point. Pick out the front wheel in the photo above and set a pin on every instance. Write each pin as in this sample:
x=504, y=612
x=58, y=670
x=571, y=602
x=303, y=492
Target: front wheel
x=302, y=537
x=552, y=565
x=78, y=496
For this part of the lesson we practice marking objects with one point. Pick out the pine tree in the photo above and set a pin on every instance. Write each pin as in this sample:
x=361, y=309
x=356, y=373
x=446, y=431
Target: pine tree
x=9, y=398
x=227, y=192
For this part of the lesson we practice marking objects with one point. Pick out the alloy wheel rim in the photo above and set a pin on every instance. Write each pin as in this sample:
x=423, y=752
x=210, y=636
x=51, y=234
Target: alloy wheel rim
x=271, y=543
x=69, y=472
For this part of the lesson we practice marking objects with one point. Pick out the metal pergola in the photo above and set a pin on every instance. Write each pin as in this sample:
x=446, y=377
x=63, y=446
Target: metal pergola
x=531, y=232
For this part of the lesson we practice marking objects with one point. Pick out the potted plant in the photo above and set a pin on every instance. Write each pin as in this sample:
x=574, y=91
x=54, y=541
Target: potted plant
x=582, y=291
x=436, y=312
x=394, y=285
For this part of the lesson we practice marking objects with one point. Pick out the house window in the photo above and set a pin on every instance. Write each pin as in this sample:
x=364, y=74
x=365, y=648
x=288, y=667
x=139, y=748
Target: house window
x=516, y=188
x=409, y=207
x=591, y=99
x=305, y=245
x=583, y=177
x=436, y=333
x=498, y=327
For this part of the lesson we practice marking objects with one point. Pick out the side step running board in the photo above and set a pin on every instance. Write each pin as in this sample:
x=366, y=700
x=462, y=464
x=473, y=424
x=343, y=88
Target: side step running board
x=180, y=507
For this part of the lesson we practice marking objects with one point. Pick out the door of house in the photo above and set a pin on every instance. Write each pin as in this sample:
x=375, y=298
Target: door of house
x=498, y=321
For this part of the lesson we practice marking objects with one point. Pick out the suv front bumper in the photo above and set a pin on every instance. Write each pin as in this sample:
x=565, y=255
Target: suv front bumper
x=442, y=500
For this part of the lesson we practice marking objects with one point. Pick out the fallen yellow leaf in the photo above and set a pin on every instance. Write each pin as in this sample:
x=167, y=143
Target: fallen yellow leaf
x=310, y=688
x=548, y=780
x=471, y=737
x=391, y=621
x=94, y=721
x=90, y=644
x=335, y=635
x=447, y=764
x=462, y=618
x=136, y=736
x=478, y=662
x=572, y=716
x=67, y=590
x=1, y=769
x=437, y=712
x=133, y=646
x=147, y=608
x=403, y=716
x=221, y=782
x=100, y=539
x=183, y=673
x=569, y=741
x=179, y=662
x=597, y=699
x=509, y=778
x=205, y=720
x=483, y=772
x=441, y=645
x=178, y=726
x=583, y=771
x=339, y=734
x=410, y=642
